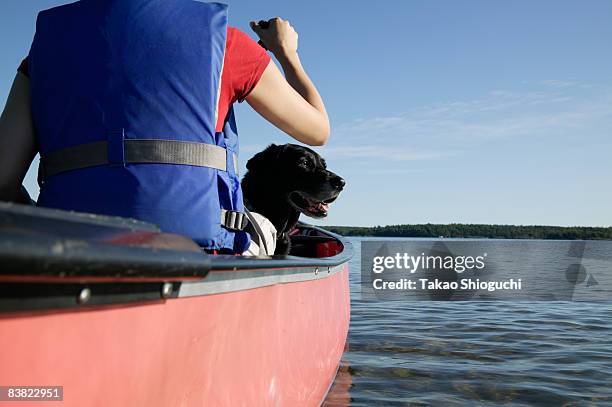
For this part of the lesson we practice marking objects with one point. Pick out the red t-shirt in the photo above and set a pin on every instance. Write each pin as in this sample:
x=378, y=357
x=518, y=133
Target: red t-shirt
x=245, y=62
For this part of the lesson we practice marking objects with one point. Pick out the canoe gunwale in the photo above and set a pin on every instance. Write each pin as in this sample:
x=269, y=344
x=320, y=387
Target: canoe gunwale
x=49, y=257
x=66, y=259
x=47, y=243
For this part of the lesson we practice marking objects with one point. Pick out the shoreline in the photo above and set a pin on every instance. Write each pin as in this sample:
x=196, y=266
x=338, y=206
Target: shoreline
x=478, y=231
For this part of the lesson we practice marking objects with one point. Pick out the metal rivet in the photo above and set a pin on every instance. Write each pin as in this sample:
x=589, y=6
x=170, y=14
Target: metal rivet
x=316, y=271
x=166, y=290
x=84, y=296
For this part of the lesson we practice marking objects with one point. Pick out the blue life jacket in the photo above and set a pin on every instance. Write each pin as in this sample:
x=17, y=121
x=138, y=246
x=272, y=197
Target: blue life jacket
x=106, y=73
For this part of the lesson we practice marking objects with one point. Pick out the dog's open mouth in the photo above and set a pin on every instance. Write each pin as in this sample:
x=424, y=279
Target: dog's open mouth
x=309, y=206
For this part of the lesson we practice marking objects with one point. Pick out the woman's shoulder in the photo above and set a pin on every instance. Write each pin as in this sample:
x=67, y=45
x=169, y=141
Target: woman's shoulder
x=245, y=61
x=238, y=40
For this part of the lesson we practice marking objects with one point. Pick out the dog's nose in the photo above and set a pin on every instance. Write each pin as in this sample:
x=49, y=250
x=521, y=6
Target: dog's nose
x=338, y=182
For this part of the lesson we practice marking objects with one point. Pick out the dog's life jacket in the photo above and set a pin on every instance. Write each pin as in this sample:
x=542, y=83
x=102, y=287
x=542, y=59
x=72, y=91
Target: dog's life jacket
x=124, y=100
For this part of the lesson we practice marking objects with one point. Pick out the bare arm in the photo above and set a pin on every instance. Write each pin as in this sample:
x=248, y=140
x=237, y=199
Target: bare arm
x=17, y=139
x=292, y=103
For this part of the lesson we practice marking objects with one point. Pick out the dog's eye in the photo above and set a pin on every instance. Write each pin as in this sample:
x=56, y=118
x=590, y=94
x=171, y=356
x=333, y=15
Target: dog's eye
x=305, y=162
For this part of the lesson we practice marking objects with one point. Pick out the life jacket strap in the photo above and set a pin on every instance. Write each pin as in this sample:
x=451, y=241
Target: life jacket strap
x=263, y=246
x=136, y=151
x=234, y=220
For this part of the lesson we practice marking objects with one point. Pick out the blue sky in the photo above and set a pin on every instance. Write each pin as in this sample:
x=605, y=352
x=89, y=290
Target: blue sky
x=442, y=111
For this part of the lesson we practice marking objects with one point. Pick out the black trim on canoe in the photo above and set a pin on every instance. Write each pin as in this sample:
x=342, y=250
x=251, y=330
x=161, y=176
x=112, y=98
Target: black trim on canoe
x=16, y=297
x=48, y=257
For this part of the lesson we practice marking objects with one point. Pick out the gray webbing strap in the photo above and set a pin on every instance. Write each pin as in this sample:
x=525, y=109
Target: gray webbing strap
x=138, y=151
x=233, y=220
x=73, y=158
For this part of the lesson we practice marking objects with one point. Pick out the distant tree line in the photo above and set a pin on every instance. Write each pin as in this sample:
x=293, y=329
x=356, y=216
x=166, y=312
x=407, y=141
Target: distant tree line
x=472, y=231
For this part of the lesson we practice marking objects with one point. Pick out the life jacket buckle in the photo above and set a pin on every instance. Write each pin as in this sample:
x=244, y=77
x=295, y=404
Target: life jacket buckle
x=233, y=220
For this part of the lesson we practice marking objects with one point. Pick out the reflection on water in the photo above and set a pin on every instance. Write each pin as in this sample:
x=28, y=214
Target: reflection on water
x=475, y=353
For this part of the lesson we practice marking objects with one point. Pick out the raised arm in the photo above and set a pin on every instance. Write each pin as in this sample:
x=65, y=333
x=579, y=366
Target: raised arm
x=292, y=103
x=17, y=139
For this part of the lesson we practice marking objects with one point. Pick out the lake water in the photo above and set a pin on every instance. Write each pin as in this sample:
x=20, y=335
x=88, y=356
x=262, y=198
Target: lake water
x=445, y=353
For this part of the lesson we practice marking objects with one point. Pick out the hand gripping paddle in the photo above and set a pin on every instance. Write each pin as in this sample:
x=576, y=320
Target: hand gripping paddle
x=263, y=25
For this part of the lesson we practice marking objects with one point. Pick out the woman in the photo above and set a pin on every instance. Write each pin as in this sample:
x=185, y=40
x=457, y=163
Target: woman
x=129, y=104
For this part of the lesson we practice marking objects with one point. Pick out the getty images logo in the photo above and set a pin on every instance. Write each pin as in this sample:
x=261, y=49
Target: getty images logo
x=417, y=264
x=412, y=264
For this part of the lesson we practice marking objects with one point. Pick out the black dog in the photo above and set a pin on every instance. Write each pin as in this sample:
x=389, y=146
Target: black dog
x=284, y=181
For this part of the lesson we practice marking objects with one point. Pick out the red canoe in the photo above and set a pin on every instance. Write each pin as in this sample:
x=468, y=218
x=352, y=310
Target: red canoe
x=119, y=314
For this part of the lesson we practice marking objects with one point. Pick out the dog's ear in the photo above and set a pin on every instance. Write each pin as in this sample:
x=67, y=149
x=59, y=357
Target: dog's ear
x=264, y=159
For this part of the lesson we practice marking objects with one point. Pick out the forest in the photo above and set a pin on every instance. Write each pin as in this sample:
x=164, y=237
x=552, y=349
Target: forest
x=478, y=231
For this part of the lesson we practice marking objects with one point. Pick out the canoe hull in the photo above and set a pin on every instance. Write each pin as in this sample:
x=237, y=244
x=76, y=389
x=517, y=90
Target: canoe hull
x=272, y=345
